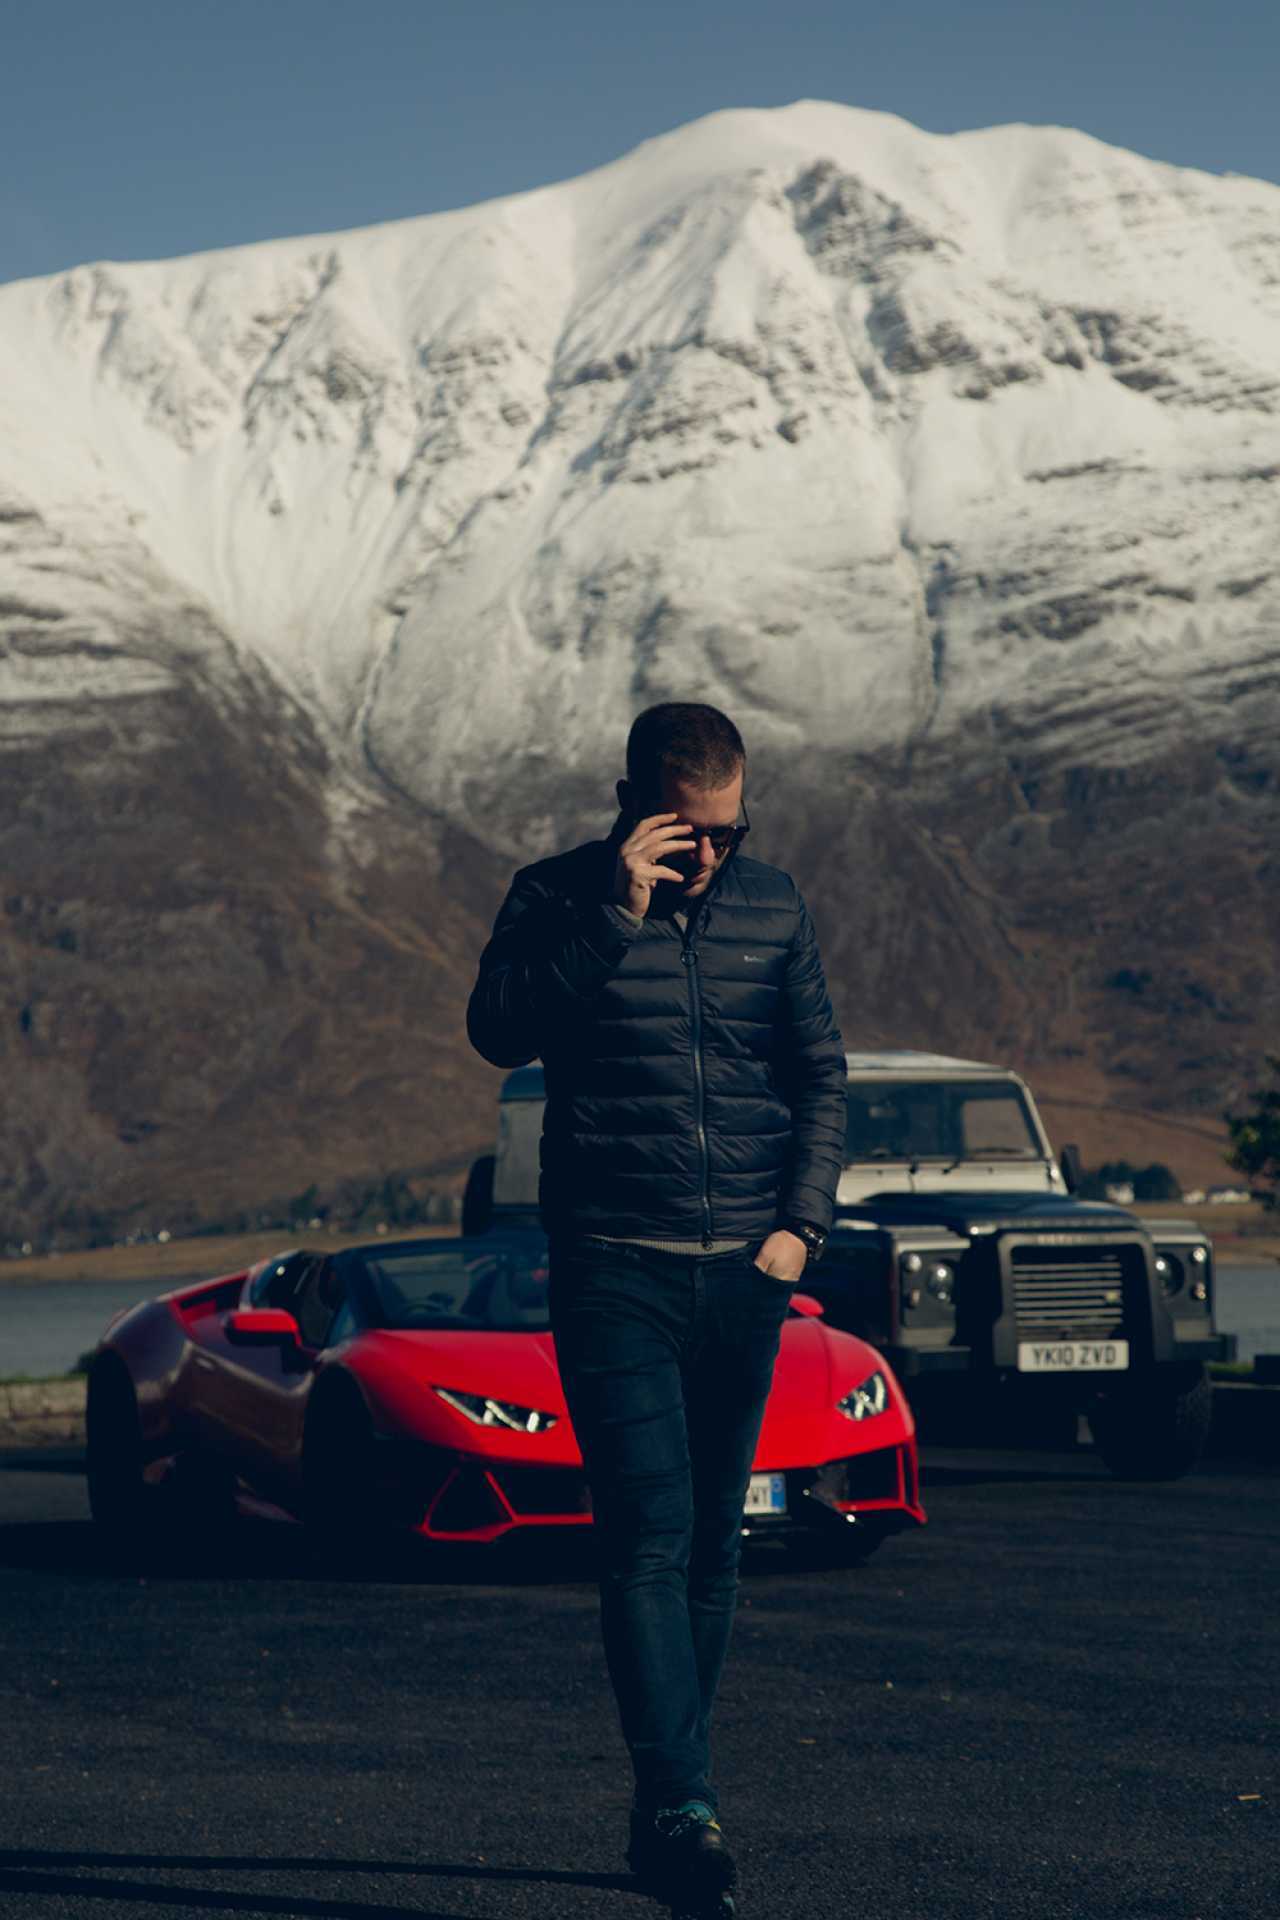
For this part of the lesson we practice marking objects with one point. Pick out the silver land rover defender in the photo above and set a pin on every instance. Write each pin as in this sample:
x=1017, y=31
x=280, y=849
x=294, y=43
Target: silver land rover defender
x=960, y=1252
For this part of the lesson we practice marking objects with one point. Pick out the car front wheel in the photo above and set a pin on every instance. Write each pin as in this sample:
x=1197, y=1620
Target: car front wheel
x=1155, y=1428
x=121, y=1502
x=338, y=1473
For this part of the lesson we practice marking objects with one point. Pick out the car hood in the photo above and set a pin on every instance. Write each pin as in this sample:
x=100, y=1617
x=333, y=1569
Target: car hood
x=519, y=1367
x=816, y=1364
x=961, y=1212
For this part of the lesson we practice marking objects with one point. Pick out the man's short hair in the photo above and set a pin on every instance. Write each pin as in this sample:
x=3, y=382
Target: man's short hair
x=698, y=744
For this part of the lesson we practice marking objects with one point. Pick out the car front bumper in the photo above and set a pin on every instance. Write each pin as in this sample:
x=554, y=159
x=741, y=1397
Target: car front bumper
x=931, y=1363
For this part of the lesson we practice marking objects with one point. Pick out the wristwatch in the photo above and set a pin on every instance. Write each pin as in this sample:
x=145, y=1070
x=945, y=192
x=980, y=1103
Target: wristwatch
x=814, y=1238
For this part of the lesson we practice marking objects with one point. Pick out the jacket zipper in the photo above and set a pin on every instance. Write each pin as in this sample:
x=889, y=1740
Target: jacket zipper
x=688, y=954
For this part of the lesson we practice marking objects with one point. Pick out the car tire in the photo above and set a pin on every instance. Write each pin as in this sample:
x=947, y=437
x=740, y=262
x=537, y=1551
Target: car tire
x=1155, y=1429
x=123, y=1506
x=338, y=1474
x=204, y=1498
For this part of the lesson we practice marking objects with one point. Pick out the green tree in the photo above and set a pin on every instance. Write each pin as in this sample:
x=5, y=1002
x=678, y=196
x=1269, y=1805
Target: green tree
x=397, y=1205
x=1255, y=1138
x=1156, y=1182
x=1112, y=1173
x=302, y=1206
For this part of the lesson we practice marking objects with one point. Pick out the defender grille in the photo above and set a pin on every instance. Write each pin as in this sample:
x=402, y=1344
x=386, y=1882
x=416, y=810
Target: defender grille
x=1059, y=1290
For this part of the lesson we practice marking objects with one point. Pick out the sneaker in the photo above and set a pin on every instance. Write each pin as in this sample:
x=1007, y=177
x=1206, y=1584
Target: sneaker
x=681, y=1850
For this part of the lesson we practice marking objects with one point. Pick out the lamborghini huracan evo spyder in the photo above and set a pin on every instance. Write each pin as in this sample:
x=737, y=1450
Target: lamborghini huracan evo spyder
x=412, y=1384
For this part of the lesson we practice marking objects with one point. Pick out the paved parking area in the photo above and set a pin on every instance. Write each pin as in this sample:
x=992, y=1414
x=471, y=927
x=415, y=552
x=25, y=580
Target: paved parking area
x=1062, y=1700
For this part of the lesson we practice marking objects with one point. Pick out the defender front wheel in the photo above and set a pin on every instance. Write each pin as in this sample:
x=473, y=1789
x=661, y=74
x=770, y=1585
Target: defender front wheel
x=1155, y=1428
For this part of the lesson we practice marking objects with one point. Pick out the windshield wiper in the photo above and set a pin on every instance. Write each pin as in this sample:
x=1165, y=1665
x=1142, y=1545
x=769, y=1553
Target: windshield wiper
x=991, y=1153
x=888, y=1153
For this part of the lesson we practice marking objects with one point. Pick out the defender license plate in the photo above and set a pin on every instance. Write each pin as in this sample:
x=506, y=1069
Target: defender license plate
x=1072, y=1356
x=766, y=1493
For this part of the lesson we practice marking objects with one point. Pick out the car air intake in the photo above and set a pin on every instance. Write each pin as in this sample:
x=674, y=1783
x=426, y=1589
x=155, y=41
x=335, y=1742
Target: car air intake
x=544, y=1489
x=863, y=1476
x=467, y=1505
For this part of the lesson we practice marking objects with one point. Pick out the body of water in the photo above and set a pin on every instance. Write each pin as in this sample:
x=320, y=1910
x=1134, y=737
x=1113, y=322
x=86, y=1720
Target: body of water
x=1248, y=1305
x=46, y=1325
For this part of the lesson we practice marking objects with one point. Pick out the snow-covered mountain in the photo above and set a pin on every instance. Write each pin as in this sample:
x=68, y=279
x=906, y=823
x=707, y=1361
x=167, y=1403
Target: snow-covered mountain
x=949, y=465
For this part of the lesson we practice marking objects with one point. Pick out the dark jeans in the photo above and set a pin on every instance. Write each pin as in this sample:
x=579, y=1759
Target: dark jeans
x=666, y=1361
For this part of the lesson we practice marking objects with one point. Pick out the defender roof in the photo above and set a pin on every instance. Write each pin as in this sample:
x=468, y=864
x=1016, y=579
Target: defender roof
x=906, y=1061
x=526, y=1083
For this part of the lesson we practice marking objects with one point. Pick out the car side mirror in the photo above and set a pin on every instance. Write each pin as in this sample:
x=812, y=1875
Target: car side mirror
x=262, y=1327
x=806, y=1304
x=1071, y=1168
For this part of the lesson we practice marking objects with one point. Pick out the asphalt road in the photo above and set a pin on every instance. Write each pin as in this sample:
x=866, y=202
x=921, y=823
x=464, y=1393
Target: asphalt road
x=1059, y=1701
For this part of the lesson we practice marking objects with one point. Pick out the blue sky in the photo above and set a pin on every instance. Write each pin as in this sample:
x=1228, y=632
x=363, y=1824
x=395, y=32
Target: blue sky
x=137, y=128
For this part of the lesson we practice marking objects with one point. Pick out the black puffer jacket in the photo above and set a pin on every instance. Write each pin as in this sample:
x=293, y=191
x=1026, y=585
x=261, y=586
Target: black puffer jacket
x=695, y=1081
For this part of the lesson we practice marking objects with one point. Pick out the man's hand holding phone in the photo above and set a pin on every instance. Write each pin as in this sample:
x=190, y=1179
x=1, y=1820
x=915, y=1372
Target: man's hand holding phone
x=640, y=857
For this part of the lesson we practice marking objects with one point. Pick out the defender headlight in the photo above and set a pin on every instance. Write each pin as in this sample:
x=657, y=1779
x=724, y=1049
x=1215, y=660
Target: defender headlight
x=497, y=1413
x=941, y=1281
x=866, y=1401
x=1169, y=1272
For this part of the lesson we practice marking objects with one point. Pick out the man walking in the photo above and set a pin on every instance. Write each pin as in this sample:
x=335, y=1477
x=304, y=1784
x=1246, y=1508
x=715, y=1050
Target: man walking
x=692, y=1140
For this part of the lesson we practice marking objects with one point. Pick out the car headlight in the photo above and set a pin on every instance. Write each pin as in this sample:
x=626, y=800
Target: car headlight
x=866, y=1401
x=497, y=1413
x=941, y=1281
x=924, y=1272
x=1169, y=1271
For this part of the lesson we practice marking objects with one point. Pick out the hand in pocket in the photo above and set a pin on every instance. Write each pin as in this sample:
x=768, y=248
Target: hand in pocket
x=782, y=1256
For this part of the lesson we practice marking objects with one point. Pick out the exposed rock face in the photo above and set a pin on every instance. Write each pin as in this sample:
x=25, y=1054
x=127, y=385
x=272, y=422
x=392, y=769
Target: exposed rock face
x=332, y=571
x=207, y=1003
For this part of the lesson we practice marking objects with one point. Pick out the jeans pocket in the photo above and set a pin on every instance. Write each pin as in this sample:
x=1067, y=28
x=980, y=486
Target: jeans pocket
x=769, y=1279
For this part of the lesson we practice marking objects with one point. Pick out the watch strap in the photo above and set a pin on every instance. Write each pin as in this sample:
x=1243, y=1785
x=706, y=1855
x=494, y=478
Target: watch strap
x=814, y=1238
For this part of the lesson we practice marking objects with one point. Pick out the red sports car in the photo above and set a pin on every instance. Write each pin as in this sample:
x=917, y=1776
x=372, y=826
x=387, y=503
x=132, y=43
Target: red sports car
x=412, y=1384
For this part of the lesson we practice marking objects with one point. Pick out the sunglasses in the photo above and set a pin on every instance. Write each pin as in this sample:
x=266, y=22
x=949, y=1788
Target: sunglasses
x=723, y=839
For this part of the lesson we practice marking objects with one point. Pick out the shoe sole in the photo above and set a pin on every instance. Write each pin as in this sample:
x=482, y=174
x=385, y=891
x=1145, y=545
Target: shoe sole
x=717, y=1906
x=715, y=1875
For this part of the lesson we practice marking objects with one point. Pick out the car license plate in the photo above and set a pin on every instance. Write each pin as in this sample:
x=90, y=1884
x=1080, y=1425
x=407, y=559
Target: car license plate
x=1072, y=1356
x=766, y=1493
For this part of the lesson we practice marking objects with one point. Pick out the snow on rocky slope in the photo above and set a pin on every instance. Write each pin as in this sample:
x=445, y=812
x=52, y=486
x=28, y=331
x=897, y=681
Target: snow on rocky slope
x=948, y=464
x=858, y=429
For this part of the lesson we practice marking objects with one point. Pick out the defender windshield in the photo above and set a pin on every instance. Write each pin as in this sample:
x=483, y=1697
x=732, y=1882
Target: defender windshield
x=938, y=1120
x=499, y=1286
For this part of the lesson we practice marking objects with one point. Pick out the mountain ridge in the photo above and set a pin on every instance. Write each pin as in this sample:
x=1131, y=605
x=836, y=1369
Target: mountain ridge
x=948, y=464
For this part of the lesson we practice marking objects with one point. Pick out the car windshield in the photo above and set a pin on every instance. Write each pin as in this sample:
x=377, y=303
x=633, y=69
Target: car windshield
x=500, y=1286
x=938, y=1120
